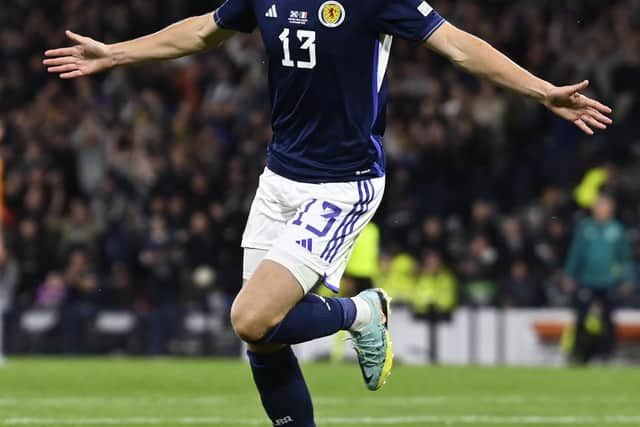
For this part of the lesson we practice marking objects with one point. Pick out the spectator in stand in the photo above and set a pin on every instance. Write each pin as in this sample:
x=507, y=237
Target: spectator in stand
x=551, y=250
x=515, y=245
x=80, y=304
x=431, y=235
x=624, y=76
x=199, y=250
x=79, y=230
x=201, y=244
x=398, y=273
x=519, y=288
x=9, y=275
x=599, y=267
x=436, y=290
x=483, y=222
x=9, y=282
x=34, y=257
x=161, y=269
x=117, y=292
x=52, y=292
x=478, y=269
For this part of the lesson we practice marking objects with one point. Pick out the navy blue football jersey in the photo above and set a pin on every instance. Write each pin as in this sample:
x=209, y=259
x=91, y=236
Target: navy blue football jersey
x=327, y=78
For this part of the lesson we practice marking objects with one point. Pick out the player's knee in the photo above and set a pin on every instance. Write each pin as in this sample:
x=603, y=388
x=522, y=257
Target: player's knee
x=249, y=325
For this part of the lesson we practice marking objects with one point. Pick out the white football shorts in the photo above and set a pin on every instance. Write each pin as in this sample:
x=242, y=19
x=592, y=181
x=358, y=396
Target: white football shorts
x=308, y=228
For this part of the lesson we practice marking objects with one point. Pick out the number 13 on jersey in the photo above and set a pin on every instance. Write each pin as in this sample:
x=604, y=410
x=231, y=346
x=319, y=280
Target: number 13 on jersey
x=307, y=41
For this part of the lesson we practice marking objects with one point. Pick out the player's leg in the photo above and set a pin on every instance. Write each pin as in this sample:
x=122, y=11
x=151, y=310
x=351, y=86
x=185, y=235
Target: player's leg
x=269, y=293
x=259, y=318
x=291, y=317
x=283, y=391
x=583, y=347
x=609, y=331
x=276, y=373
x=274, y=307
x=365, y=316
x=265, y=300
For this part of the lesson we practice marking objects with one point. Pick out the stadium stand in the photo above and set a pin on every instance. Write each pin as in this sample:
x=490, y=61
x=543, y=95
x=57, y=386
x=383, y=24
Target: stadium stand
x=126, y=194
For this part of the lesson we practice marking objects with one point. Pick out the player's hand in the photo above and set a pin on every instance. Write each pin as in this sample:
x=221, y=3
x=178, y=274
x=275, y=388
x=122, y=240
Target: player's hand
x=87, y=57
x=586, y=113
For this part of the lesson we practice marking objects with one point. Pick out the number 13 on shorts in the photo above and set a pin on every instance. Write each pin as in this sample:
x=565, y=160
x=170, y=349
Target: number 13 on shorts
x=314, y=225
x=327, y=227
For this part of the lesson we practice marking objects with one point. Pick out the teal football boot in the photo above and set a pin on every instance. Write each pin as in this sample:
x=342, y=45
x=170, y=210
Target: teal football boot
x=373, y=342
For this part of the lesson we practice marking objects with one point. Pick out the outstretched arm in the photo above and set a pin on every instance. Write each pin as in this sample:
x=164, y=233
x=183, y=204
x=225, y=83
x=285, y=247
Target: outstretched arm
x=478, y=57
x=89, y=56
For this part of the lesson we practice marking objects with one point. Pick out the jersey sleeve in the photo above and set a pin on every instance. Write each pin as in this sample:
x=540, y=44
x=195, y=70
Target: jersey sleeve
x=413, y=20
x=236, y=15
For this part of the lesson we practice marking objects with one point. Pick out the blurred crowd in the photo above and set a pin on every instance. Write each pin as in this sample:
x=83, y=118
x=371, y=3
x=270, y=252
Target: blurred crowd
x=130, y=190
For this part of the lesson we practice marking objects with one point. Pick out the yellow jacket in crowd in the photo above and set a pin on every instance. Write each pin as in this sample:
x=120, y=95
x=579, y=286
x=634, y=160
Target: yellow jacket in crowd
x=436, y=290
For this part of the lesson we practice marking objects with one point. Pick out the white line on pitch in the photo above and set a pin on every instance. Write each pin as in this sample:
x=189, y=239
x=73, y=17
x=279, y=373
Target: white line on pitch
x=321, y=400
x=496, y=399
x=411, y=399
x=110, y=400
x=431, y=419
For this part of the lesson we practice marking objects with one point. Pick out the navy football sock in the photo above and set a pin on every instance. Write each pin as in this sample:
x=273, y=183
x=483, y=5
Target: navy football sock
x=313, y=317
x=283, y=391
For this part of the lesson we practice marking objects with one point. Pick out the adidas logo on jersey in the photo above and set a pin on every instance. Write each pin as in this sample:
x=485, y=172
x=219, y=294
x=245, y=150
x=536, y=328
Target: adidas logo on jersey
x=306, y=243
x=272, y=12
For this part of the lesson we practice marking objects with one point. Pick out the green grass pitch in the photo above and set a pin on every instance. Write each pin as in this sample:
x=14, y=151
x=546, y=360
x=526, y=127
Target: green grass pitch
x=172, y=392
